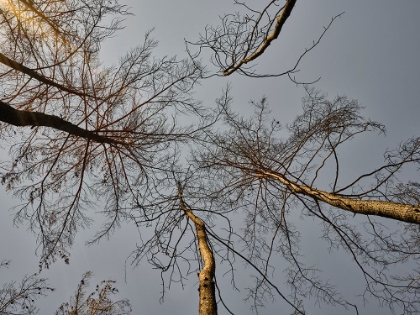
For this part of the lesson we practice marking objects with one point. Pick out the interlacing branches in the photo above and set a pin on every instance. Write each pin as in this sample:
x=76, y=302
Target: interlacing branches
x=97, y=133
x=186, y=240
x=242, y=38
x=273, y=175
x=20, y=298
x=83, y=135
x=98, y=302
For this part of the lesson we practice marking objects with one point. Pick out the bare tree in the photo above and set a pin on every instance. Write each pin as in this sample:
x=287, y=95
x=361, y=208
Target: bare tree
x=96, y=132
x=272, y=175
x=19, y=299
x=98, y=302
x=110, y=136
x=242, y=38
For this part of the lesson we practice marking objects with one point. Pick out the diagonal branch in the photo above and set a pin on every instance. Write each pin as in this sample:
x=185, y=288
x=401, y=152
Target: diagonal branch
x=33, y=74
x=397, y=211
x=281, y=19
x=22, y=118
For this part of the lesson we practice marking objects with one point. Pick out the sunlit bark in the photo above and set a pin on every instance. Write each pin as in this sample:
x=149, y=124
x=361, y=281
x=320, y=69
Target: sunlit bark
x=280, y=20
x=242, y=38
x=207, y=294
x=271, y=175
x=392, y=210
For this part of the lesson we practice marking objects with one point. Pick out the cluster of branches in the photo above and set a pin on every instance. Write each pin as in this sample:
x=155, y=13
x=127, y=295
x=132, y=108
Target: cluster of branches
x=272, y=175
x=115, y=125
x=243, y=37
x=111, y=137
x=96, y=302
x=252, y=182
x=19, y=299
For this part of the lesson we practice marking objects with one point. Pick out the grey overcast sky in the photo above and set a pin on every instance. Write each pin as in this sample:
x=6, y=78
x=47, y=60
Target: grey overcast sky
x=371, y=54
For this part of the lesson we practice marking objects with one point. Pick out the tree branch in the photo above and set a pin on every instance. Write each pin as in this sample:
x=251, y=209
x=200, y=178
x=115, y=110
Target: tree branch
x=33, y=74
x=22, y=118
x=281, y=19
x=397, y=211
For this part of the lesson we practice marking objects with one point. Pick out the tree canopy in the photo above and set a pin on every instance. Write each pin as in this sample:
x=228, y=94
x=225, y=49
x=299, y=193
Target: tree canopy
x=204, y=185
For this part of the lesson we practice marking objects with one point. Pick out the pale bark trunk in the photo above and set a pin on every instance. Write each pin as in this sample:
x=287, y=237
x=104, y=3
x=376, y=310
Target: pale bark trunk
x=207, y=293
x=281, y=20
x=397, y=211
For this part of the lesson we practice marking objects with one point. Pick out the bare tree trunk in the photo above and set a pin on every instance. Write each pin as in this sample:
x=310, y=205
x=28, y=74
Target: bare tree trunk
x=397, y=211
x=207, y=293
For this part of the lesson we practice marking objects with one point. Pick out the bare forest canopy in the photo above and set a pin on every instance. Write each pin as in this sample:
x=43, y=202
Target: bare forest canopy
x=222, y=188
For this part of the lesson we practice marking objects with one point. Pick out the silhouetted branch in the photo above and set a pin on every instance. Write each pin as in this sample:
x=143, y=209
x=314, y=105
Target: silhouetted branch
x=23, y=118
x=242, y=39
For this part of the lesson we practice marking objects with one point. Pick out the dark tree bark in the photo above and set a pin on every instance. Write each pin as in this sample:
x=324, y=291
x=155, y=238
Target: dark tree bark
x=22, y=118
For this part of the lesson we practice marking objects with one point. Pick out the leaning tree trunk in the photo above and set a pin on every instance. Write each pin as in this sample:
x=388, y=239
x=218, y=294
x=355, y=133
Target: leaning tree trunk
x=207, y=293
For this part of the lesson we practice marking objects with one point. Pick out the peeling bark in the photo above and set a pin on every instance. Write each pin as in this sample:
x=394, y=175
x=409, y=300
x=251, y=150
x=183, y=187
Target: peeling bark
x=397, y=211
x=22, y=118
x=207, y=293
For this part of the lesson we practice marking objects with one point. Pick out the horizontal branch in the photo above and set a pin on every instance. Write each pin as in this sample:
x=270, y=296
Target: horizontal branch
x=22, y=118
x=393, y=210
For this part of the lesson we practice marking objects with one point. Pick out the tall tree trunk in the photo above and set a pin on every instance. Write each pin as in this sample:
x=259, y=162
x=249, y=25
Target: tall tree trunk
x=207, y=293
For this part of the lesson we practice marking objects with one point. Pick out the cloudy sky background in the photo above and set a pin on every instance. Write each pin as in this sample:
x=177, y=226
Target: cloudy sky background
x=370, y=54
